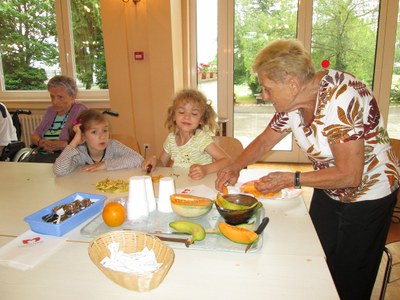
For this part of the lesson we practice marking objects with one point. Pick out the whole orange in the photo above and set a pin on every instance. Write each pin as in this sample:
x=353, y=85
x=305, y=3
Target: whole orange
x=114, y=214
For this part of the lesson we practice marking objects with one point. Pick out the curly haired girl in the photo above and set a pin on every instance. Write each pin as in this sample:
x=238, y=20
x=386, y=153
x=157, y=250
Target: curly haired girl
x=191, y=123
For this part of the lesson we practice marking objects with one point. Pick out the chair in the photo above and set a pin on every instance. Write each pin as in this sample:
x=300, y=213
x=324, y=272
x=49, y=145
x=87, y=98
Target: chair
x=393, y=234
x=16, y=150
x=127, y=140
x=231, y=145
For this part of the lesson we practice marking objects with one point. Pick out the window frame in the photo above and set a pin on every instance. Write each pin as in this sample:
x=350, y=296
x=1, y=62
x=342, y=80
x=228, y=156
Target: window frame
x=383, y=70
x=40, y=98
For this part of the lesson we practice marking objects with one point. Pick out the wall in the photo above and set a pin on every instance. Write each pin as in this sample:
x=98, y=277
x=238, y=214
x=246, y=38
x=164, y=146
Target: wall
x=141, y=90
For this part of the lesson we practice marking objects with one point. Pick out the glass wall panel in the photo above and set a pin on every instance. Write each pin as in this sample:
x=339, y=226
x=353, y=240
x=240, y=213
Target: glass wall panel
x=344, y=32
x=207, y=49
x=394, y=108
x=90, y=64
x=28, y=44
x=257, y=23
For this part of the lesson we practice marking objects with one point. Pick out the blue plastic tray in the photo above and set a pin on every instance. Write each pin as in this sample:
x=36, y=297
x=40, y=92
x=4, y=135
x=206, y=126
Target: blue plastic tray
x=38, y=225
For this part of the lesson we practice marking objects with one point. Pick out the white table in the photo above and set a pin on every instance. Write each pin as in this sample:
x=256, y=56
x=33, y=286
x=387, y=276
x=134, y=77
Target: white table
x=291, y=264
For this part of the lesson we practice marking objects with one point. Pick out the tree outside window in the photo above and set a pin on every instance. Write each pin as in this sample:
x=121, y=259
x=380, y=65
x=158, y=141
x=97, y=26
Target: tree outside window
x=29, y=43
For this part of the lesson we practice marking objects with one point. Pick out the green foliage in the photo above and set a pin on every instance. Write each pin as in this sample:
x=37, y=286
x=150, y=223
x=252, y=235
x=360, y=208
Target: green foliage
x=27, y=78
x=88, y=42
x=345, y=34
x=100, y=71
x=258, y=22
x=344, y=31
x=28, y=42
x=25, y=31
x=395, y=93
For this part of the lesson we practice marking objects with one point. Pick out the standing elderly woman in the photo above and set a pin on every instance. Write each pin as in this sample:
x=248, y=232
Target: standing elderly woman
x=336, y=122
x=52, y=133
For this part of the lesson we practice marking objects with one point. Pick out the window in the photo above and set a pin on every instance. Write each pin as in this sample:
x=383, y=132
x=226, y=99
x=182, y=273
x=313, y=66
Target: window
x=43, y=38
x=345, y=32
x=207, y=63
x=257, y=23
x=394, y=108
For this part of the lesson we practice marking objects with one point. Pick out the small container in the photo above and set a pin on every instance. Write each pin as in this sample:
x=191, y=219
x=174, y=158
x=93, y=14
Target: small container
x=235, y=217
x=130, y=242
x=37, y=224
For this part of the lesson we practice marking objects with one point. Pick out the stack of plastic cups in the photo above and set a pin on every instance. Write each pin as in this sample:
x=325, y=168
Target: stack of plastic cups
x=137, y=205
x=151, y=201
x=166, y=189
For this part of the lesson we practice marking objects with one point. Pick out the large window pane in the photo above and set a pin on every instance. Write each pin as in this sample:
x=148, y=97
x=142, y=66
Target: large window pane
x=28, y=44
x=257, y=23
x=207, y=48
x=88, y=44
x=344, y=32
x=394, y=109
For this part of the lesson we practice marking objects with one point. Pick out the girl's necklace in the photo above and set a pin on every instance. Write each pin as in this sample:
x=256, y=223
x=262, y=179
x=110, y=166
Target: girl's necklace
x=104, y=154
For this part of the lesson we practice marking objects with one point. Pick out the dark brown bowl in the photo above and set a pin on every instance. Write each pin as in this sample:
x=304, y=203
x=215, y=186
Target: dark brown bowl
x=235, y=217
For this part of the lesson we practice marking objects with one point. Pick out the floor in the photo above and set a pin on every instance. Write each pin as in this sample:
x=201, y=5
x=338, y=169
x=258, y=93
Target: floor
x=393, y=289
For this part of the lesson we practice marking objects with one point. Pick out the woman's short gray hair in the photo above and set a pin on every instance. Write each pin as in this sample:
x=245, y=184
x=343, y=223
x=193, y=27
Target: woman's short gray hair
x=284, y=57
x=64, y=81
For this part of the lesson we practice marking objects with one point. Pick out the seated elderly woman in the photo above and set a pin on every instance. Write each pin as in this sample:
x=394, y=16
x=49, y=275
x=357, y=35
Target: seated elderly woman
x=52, y=133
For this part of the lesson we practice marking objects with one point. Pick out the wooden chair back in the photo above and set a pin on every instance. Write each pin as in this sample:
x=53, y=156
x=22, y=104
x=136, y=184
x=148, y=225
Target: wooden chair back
x=231, y=145
x=127, y=140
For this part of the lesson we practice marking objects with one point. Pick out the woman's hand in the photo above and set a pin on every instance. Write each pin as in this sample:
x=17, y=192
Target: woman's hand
x=227, y=176
x=274, y=182
x=94, y=167
x=51, y=146
x=196, y=172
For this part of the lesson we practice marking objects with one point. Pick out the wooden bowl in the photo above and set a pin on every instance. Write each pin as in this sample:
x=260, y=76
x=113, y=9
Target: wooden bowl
x=235, y=217
x=130, y=242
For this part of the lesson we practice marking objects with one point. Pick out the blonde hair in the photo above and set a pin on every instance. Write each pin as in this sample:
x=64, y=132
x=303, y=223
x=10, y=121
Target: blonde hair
x=208, y=115
x=284, y=57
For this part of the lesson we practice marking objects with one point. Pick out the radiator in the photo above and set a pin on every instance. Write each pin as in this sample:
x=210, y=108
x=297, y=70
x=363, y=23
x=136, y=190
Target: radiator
x=28, y=125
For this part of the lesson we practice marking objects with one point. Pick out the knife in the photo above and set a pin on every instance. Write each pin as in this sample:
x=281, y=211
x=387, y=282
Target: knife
x=175, y=240
x=148, y=169
x=208, y=230
x=259, y=230
x=170, y=239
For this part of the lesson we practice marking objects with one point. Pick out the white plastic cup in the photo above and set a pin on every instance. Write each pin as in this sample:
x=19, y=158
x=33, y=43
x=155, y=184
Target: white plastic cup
x=137, y=206
x=151, y=201
x=166, y=189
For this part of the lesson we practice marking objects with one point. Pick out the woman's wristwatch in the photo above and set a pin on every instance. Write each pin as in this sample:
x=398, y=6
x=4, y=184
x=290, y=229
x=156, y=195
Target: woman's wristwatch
x=297, y=184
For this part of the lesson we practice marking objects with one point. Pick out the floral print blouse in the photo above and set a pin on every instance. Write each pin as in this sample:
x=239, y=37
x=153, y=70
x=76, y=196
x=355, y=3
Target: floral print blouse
x=346, y=110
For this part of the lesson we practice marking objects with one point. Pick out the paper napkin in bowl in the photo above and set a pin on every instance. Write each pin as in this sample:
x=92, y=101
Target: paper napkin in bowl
x=29, y=249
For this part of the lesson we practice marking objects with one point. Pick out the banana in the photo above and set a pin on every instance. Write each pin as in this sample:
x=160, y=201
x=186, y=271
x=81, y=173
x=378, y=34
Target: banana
x=196, y=230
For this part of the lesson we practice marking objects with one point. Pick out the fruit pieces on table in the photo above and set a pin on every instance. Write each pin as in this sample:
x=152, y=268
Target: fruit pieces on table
x=224, y=190
x=237, y=234
x=196, y=230
x=114, y=214
x=222, y=202
x=190, y=206
x=192, y=200
x=249, y=188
